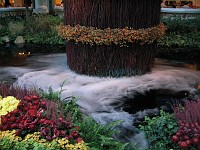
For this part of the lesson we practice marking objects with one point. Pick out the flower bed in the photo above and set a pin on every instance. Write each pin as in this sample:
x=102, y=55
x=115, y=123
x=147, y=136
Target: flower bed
x=178, y=130
x=40, y=120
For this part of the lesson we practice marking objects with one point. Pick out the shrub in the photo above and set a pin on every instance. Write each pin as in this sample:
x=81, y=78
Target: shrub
x=181, y=33
x=188, y=118
x=190, y=112
x=158, y=131
x=183, y=40
x=3, y=32
x=99, y=137
x=41, y=23
x=16, y=28
x=180, y=25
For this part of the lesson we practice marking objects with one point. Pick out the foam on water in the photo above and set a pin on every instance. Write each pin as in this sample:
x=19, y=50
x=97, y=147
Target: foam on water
x=98, y=94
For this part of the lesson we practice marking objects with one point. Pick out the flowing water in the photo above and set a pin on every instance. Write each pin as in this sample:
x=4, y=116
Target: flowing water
x=109, y=99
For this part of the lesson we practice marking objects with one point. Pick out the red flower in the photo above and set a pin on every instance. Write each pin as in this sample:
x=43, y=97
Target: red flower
x=34, y=97
x=195, y=140
x=16, y=111
x=60, y=119
x=79, y=139
x=48, y=138
x=25, y=108
x=27, y=98
x=183, y=144
x=14, y=125
x=18, y=120
x=12, y=118
x=43, y=104
x=18, y=132
x=47, y=122
x=20, y=105
x=32, y=112
x=74, y=133
x=41, y=121
x=76, y=127
x=4, y=120
x=34, y=107
x=39, y=115
x=35, y=102
x=21, y=126
x=5, y=127
x=56, y=132
x=62, y=133
x=32, y=126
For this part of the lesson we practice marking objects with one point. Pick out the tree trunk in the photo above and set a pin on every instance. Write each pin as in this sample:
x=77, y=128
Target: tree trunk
x=112, y=60
x=26, y=6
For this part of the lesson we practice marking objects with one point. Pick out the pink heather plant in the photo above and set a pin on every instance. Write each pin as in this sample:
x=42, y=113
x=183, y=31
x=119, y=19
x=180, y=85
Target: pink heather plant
x=188, y=117
x=189, y=113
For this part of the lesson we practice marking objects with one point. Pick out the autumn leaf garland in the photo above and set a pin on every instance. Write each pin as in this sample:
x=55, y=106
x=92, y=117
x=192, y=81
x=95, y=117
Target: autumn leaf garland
x=92, y=35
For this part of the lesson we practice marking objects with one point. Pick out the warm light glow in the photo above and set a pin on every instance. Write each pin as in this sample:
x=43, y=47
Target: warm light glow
x=58, y=2
x=22, y=53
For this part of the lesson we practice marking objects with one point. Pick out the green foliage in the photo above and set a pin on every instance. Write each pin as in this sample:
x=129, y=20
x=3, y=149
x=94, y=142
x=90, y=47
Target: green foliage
x=8, y=144
x=99, y=137
x=15, y=28
x=50, y=95
x=49, y=38
x=37, y=29
x=181, y=32
x=70, y=106
x=180, y=40
x=180, y=25
x=3, y=32
x=159, y=130
x=41, y=23
x=42, y=29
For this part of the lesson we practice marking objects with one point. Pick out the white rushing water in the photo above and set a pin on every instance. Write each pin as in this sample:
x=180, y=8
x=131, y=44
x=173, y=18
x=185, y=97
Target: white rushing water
x=96, y=96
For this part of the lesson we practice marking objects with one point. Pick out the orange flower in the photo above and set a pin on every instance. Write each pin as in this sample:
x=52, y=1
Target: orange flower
x=91, y=35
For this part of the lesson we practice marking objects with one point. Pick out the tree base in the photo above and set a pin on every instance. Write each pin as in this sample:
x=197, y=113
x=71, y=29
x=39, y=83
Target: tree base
x=110, y=61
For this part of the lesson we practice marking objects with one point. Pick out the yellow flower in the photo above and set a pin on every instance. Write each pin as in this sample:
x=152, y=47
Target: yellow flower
x=10, y=135
x=7, y=105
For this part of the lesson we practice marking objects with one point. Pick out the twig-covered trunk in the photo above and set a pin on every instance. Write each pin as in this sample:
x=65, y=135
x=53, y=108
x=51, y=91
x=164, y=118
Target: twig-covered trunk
x=112, y=60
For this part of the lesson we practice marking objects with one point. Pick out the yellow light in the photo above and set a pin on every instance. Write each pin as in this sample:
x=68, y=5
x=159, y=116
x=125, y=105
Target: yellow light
x=21, y=53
